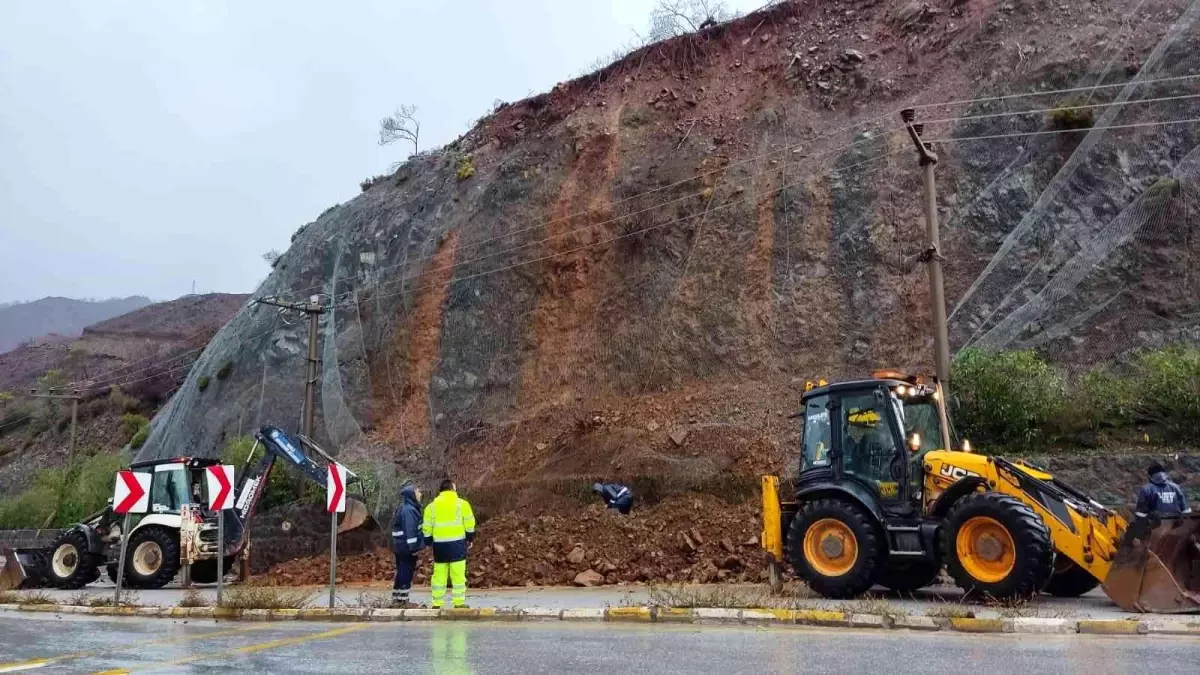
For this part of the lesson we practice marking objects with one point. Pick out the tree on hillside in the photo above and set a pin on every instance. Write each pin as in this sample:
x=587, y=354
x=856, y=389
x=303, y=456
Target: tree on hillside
x=272, y=257
x=672, y=18
x=401, y=126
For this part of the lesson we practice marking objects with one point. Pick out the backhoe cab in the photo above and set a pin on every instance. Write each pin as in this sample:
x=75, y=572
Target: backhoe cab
x=882, y=500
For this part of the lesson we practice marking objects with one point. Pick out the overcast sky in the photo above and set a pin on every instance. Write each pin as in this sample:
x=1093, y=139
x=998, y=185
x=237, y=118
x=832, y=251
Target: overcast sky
x=144, y=145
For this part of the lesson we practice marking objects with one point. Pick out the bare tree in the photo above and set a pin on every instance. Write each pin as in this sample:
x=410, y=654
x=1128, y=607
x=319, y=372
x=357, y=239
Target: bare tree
x=272, y=257
x=672, y=18
x=401, y=126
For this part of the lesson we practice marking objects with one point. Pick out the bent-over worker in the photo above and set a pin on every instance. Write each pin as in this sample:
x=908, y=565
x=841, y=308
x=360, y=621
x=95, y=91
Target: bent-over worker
x=407, y=540
x=1160, y=497
x=449, y=526
x=615, y=496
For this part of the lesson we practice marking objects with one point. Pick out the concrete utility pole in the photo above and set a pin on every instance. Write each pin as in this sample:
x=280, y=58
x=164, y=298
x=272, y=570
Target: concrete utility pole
x=73, y=397
x=932, y=256
x=314, y=309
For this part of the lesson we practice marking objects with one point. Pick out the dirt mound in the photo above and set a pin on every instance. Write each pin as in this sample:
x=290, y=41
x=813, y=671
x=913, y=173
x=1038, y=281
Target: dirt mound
x=684, y=538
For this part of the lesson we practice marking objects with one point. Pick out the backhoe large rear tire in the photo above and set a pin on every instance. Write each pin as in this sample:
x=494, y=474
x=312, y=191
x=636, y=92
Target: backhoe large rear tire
x=69, y=565
x=1070, y=580
x=152, y=557
x=835, y=547
x=995, y=545
x=909, y=577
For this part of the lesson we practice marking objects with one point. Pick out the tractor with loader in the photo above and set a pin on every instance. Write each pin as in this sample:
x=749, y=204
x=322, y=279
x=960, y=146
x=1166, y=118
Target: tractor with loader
x=881, y=499
x=178, y=532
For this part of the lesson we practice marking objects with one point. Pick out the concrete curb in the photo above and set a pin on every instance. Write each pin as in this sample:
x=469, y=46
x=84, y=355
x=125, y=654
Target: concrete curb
x=1154, y=625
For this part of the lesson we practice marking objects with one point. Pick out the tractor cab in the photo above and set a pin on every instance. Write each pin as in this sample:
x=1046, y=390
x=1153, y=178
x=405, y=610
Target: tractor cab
x=868, y=436
x=176, y=483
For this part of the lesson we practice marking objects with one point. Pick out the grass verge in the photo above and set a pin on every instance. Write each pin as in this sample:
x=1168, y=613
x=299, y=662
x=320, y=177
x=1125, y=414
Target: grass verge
x=265, y=597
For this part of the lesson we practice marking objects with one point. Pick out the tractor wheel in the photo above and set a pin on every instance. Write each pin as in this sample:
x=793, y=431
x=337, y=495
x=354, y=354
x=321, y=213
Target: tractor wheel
x=152, y=557
x=835, y=548
x=69, y=565
x=1070, y=580
x=910, y=577
x=995, y=545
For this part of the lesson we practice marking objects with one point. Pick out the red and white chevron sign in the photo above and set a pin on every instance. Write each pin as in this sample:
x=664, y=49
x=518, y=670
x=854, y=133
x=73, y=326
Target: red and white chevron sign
x=220, y=487
x=132, y=492
x=335, y=488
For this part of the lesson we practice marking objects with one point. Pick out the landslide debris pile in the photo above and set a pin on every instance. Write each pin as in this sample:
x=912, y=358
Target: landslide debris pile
x=686, y=538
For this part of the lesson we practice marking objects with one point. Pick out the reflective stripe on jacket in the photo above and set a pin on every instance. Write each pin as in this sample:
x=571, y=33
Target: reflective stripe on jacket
x=448, y=525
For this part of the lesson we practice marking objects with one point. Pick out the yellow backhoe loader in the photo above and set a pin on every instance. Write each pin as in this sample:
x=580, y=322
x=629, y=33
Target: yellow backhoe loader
x=882, y=499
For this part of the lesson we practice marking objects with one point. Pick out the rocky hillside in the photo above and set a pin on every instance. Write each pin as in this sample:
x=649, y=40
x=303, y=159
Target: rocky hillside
x=126, y=364
x=27, y=321
x=631, y=274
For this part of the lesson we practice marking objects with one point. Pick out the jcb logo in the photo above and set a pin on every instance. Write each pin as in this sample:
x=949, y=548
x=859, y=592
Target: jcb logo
x=955, y=472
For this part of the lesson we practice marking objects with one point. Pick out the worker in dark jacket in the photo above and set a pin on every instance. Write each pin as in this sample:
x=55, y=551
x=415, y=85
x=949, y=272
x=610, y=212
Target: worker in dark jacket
x=407, y=541
x=615, y=496
x=1160, y=497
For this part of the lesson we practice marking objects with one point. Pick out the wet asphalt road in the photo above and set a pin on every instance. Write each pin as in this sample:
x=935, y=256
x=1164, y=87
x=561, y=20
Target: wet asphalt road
x=76, y=644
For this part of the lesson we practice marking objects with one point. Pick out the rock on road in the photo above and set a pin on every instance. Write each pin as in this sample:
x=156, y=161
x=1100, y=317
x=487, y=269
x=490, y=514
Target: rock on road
x=76, y=644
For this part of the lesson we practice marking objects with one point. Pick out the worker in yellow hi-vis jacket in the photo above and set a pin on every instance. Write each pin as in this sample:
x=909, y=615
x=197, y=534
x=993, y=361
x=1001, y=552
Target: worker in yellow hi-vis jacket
x=449, y=525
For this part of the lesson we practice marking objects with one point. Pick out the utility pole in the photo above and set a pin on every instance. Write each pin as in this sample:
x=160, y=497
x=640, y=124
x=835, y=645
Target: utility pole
x=314, y=309
x=932, y=257
x=73, y=397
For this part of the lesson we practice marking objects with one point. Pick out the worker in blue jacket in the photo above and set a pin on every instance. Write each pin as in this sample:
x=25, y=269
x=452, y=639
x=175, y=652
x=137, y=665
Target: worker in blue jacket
x=1160, y=497
x=615, y=496
x=406, y=541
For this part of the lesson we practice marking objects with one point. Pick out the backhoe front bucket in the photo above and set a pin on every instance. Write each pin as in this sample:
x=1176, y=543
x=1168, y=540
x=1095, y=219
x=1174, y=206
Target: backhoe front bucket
x=1157, y=567
x=355, y=516
x=20, y=570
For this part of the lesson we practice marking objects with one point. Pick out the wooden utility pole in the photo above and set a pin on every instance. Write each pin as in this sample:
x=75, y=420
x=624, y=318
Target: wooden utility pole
x=73, y=397
x=932, y=257
x=314, y=309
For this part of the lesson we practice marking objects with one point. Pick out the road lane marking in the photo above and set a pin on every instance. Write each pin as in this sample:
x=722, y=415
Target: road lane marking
x=47, y=660
x=248, y=649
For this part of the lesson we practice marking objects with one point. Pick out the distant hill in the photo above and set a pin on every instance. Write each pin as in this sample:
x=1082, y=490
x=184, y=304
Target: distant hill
x=61, y=316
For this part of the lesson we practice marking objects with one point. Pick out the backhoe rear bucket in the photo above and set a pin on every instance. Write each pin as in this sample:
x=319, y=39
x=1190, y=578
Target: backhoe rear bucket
x=1157, y=567
x=20, y=570
x=356, y=516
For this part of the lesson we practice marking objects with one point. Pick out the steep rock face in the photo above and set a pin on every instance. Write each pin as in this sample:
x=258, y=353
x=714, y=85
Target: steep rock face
x=647, y=261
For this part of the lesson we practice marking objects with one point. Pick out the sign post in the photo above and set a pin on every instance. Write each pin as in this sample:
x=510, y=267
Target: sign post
x=220, y=498
x=130, y=495
x=335, y=503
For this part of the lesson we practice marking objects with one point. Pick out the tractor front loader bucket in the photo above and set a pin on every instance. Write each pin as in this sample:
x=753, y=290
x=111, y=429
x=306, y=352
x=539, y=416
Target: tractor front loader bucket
x=21, y=569
x=1157, y=567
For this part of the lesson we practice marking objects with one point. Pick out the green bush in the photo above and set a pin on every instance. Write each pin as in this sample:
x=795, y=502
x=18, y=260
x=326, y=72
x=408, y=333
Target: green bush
x=69, y=494
x=139, y=438
x=1168, y=389
x=131, y=425
x=466, y=167
x=1004, y=398
x=1068, y=118
x=202, y=383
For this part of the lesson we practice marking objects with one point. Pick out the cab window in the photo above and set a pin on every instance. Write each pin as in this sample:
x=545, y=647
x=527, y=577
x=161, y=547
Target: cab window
x=868, y=446
x=169, y=489
x=921, y=417
x=816, y=433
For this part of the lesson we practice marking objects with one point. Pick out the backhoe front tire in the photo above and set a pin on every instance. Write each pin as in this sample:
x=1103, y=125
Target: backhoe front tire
x=152, y=557
x=69, y=565
x=1070, y=580
x=995, y=545
x=835, y=548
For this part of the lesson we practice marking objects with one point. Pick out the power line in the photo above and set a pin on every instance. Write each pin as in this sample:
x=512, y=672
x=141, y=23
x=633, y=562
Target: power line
x=958, y=139
x=1048, y=92
x=1056, y=109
